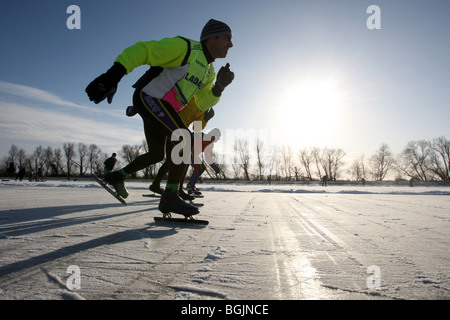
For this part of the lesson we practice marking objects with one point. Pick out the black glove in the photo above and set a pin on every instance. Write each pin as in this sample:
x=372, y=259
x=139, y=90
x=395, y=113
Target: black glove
x=131, y=111
x=224, y=78
x=208, y=114
x=105, y=86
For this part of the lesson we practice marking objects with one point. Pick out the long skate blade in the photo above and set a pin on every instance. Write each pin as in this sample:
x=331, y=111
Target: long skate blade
x=105, y=186
x=182, y=220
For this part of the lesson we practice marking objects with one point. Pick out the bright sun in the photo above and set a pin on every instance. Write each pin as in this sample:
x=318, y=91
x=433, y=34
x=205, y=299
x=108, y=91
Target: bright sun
x=309, y=112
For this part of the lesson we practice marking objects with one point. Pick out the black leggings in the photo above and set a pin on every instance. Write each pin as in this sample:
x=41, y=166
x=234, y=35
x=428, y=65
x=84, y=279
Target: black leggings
x=160, y=121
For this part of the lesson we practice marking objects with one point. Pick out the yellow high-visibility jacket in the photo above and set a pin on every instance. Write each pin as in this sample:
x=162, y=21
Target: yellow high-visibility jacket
x=180, y=80
x=192, y=113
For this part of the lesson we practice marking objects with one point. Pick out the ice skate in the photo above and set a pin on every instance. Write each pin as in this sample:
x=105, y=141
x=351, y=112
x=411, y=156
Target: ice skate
x=116, y=179
x=172, y=203
x=193, y=191
x=156, y=188
x=107, y=188
x=183, y=195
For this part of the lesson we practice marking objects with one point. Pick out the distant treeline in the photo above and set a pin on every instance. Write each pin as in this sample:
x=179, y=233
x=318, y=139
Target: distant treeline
x=422, y=160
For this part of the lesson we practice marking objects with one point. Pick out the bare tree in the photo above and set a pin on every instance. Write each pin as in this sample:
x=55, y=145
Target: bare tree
x=224, y=168
x=317, y=160
x=236, y=166
x=259, y=157
x=93, y=156
x=440, y=158
x=286, y=161
x=99, y=164
x=338, y=162
x=39, y=157
x=129, y=153
x=220, y=161
x=381, y=162
x=415, y=160
x=58, y=160
x=69, y=153
x=297, y=173
x=241, y=149
x=274, y=162
x=82, y=155
x=22, y=158
x=13, y=153
x=16, y=156
x=306, y=157
x=48, y=160
x=357, y=170
x=331, y=162
x=4, y=165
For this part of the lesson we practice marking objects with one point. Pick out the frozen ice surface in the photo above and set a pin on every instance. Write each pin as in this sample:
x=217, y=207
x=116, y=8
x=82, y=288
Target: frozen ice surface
x=262, y=242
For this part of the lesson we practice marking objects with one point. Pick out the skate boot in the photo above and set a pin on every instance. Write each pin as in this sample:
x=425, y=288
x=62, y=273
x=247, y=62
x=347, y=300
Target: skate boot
x=116, y=179
x=193, y=191
x=170, y=202
x=183, y=195
x=156, y=188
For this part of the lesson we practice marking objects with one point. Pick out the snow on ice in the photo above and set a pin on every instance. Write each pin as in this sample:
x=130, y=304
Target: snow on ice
x=71, y=240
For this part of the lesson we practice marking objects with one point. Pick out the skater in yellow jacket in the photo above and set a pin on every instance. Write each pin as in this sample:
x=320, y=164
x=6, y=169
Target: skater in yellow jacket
x=190, y=114
x=183, y=71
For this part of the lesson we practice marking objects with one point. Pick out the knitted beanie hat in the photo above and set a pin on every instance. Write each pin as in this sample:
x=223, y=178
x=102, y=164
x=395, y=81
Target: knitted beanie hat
x=214, y=28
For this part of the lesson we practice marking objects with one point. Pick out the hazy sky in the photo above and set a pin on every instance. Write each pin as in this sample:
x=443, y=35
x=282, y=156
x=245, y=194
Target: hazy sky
x=307, y=73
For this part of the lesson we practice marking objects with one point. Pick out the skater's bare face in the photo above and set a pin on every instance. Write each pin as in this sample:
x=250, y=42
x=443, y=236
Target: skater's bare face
x=218, y=46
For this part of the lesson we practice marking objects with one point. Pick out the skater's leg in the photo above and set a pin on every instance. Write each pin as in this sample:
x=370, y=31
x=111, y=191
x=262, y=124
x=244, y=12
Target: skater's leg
x=186, y=168
x=167, y=120
x=161, y=172
x=202, y=169
x=192, y=190
x=176, y=171
x=156, y=142
x=156, y=139
x=156, y=185
x=183, y=195
x=195, y=172
x=170, y=200
x=156, y=145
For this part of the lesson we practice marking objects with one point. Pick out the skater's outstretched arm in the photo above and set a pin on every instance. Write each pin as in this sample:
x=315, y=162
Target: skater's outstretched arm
x=169, y=52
